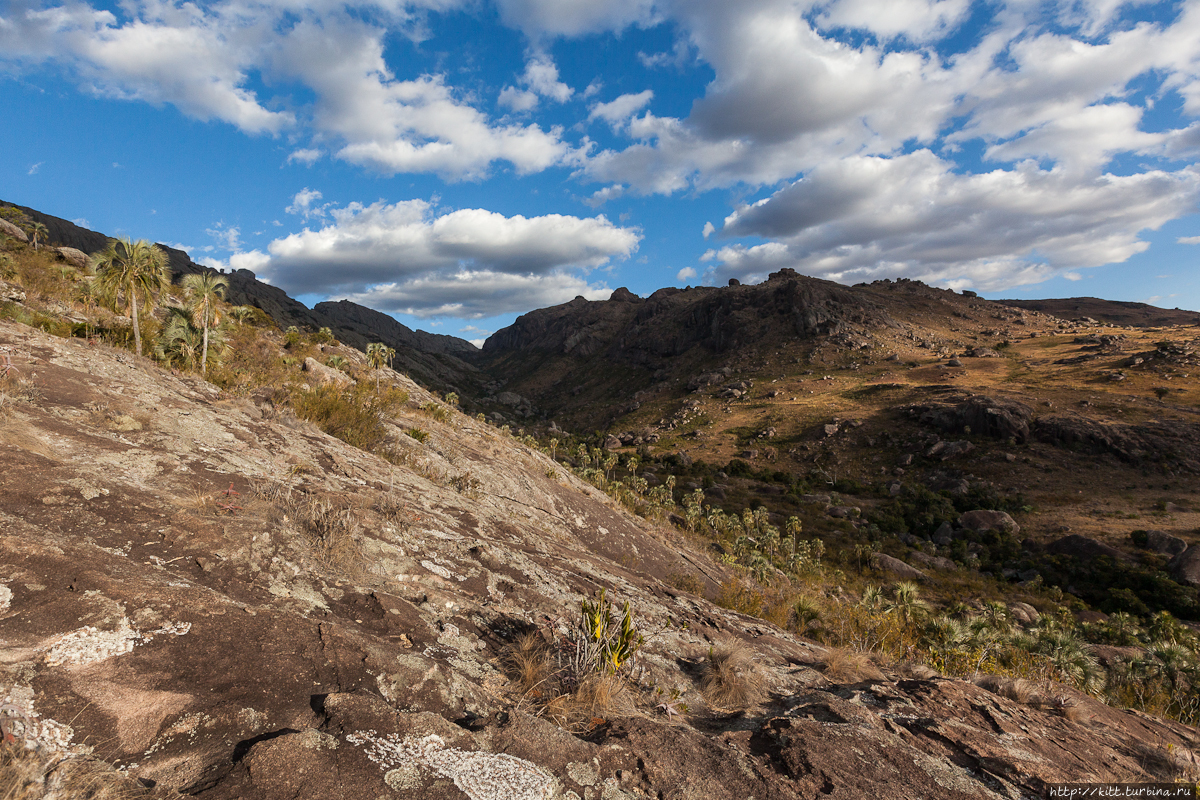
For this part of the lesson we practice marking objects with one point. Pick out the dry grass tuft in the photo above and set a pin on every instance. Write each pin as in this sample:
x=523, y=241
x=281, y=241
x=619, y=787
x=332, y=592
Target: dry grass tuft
x=597, y=699
x=527, y=663
x=28, y=775
x=918, y=672
x=1018, y=690
x=333, y=533
x=731, y=680
x=843, y=665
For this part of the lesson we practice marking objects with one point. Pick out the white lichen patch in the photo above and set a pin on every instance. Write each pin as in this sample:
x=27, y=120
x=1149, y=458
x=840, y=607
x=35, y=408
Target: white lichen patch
x=5, y=598
x=47, y=736
x=88, y=645
x=480, y=776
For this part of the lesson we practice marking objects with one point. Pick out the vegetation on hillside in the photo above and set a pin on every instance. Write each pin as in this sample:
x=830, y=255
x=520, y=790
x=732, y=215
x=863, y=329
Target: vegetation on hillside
x=791, y=563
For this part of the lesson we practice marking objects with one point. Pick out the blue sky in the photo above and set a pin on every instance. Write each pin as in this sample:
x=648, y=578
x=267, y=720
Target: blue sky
x=459, y=162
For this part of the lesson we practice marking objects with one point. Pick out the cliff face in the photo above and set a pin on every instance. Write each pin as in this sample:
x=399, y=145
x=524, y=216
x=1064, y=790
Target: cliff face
x=228, y=603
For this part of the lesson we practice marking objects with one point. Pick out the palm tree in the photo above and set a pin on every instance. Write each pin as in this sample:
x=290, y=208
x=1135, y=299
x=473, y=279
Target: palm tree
x=379, y=355
x=241, y=313
x=132, y=269
x=204, y=289
x=37, y=229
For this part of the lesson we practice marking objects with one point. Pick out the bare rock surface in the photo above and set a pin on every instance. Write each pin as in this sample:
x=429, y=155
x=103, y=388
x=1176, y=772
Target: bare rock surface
x=1185, y=567
x=168, y=608
x=983, y=520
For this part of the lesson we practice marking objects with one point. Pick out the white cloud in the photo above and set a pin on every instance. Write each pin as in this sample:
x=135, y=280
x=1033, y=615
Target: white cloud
x=917, y=20
x=302, y=204
x=618, y=112
x=226, y=237
x=869, y=217
x=33, y=169
x=574, y=17
x=466, y=263
x=305, y=155
x=541, y=75
x=1184, y=240
x=708, y=231
x=685, y=273
x=602, y=196
x=475, y=294
x=518, y=99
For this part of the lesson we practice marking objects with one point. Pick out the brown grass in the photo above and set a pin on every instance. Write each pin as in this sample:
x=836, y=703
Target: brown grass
x=527, y=662
x=597, y=699
x=843, y=665
x=28, y=775
x=1018, y=690
x=731, y=680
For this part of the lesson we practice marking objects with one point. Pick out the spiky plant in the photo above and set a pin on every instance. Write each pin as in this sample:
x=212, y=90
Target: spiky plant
x=204, y=291
x=129, y=271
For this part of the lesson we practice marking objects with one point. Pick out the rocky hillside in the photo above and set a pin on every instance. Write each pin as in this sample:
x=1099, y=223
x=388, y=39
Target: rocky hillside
x=222, y=601
x=434, y=360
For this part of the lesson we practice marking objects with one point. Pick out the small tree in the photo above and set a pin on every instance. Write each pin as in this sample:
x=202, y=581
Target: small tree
x=126, y=271
x=379, y=355
x=37, y=230
x=203, y=290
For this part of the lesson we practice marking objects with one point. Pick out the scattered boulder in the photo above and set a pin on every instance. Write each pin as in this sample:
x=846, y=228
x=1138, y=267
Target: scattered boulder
x=931, y=562
x=844, y=512
x=76, y=258
x=944, y=534
x=1185, y=567
x=944, y=451
x=1163, y=542
x=982, y=352
x=611, y=442
x=982, y=520
x=325, y=374
x=13, y=294
x=1024, y=613
x=1084, y=547
x=9, y=229
x=885, y=563
x=510, y=399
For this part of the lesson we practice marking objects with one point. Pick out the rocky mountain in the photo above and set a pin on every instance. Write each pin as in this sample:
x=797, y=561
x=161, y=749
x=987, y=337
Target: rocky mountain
x=1115, y=312
x=224, y=602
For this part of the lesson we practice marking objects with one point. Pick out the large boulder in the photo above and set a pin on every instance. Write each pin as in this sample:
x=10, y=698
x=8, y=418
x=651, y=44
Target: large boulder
x=1185, y=567
x=76, y=258
x=885, y=563
x=928, y=561
x=1165, y=543
x=8, y=229
x=982, y=520
x=1083, y=547
x=984, y=416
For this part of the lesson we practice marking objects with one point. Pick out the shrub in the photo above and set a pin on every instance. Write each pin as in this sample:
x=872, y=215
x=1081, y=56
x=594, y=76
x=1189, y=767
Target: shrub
x=355, y=415
x=419, y=434
x=438, y=413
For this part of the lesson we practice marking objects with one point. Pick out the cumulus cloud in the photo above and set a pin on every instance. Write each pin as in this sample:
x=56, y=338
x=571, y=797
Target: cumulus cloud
x=403, y=256
x=1186, y=240
x=541, y=18
x=685, y=273
x=203, y=59
x=618, y=112
x=541, y=78
x=305, y=155
x=303, y=204
x=475, y=294
x=915, y=216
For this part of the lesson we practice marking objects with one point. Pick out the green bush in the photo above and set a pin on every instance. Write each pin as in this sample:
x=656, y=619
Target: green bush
x=356, y=415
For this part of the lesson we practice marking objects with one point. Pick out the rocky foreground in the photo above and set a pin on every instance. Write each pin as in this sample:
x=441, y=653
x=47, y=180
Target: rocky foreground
x=224, y=602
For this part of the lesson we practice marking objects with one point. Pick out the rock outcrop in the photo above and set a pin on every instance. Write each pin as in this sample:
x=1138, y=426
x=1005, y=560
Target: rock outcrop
x=229, y=604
